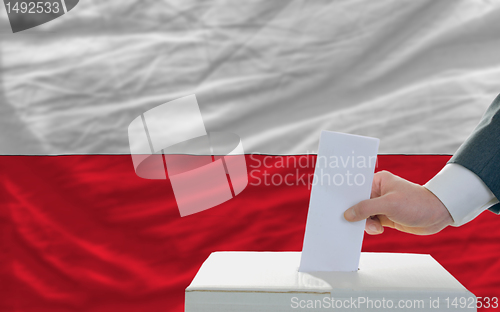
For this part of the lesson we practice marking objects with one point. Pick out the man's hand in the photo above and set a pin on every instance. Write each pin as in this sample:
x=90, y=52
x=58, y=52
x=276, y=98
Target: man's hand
x=402, y=205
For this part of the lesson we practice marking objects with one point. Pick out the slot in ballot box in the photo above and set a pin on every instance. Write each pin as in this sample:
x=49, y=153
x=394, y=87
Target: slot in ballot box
x=271, y=282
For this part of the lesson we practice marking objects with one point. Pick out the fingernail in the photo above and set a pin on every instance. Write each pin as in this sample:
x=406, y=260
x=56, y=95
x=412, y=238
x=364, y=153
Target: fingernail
x=373, y=228
x=351, y=214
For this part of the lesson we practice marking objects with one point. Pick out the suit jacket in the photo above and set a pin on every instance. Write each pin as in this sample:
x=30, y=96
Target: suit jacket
x=480, y=153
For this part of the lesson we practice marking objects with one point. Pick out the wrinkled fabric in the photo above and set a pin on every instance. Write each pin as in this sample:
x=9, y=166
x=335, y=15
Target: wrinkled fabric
x=416, y=74
x=84, y=233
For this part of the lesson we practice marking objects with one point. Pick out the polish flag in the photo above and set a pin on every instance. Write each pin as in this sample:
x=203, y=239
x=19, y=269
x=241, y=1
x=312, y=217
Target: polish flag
x=82, y=229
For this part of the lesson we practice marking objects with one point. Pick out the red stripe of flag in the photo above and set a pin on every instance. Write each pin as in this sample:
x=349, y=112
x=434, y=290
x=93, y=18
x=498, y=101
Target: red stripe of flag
x=85, y=233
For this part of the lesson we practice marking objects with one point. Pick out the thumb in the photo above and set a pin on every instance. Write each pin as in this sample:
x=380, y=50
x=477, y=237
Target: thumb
x=367, y=208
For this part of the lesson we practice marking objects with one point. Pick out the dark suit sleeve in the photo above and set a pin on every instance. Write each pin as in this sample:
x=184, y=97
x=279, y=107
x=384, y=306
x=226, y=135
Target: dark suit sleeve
x=480, y=153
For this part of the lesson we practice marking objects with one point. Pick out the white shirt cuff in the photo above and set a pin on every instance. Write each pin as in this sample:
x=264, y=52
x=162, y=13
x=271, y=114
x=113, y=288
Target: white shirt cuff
x=462, y=192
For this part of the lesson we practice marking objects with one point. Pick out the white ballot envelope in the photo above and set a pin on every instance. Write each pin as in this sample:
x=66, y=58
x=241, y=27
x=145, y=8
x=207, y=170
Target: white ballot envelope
x=342, y=177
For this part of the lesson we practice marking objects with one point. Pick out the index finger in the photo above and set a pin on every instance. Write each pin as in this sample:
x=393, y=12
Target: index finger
x=370, y=207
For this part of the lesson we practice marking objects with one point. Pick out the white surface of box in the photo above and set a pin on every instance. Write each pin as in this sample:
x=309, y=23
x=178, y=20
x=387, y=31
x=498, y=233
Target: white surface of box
x=270, y=281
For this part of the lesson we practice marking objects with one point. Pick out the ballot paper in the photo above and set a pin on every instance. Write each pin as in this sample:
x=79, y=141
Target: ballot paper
x=342, y=177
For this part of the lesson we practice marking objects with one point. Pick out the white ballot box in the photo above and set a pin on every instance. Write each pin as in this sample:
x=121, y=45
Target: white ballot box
x=271, y=282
